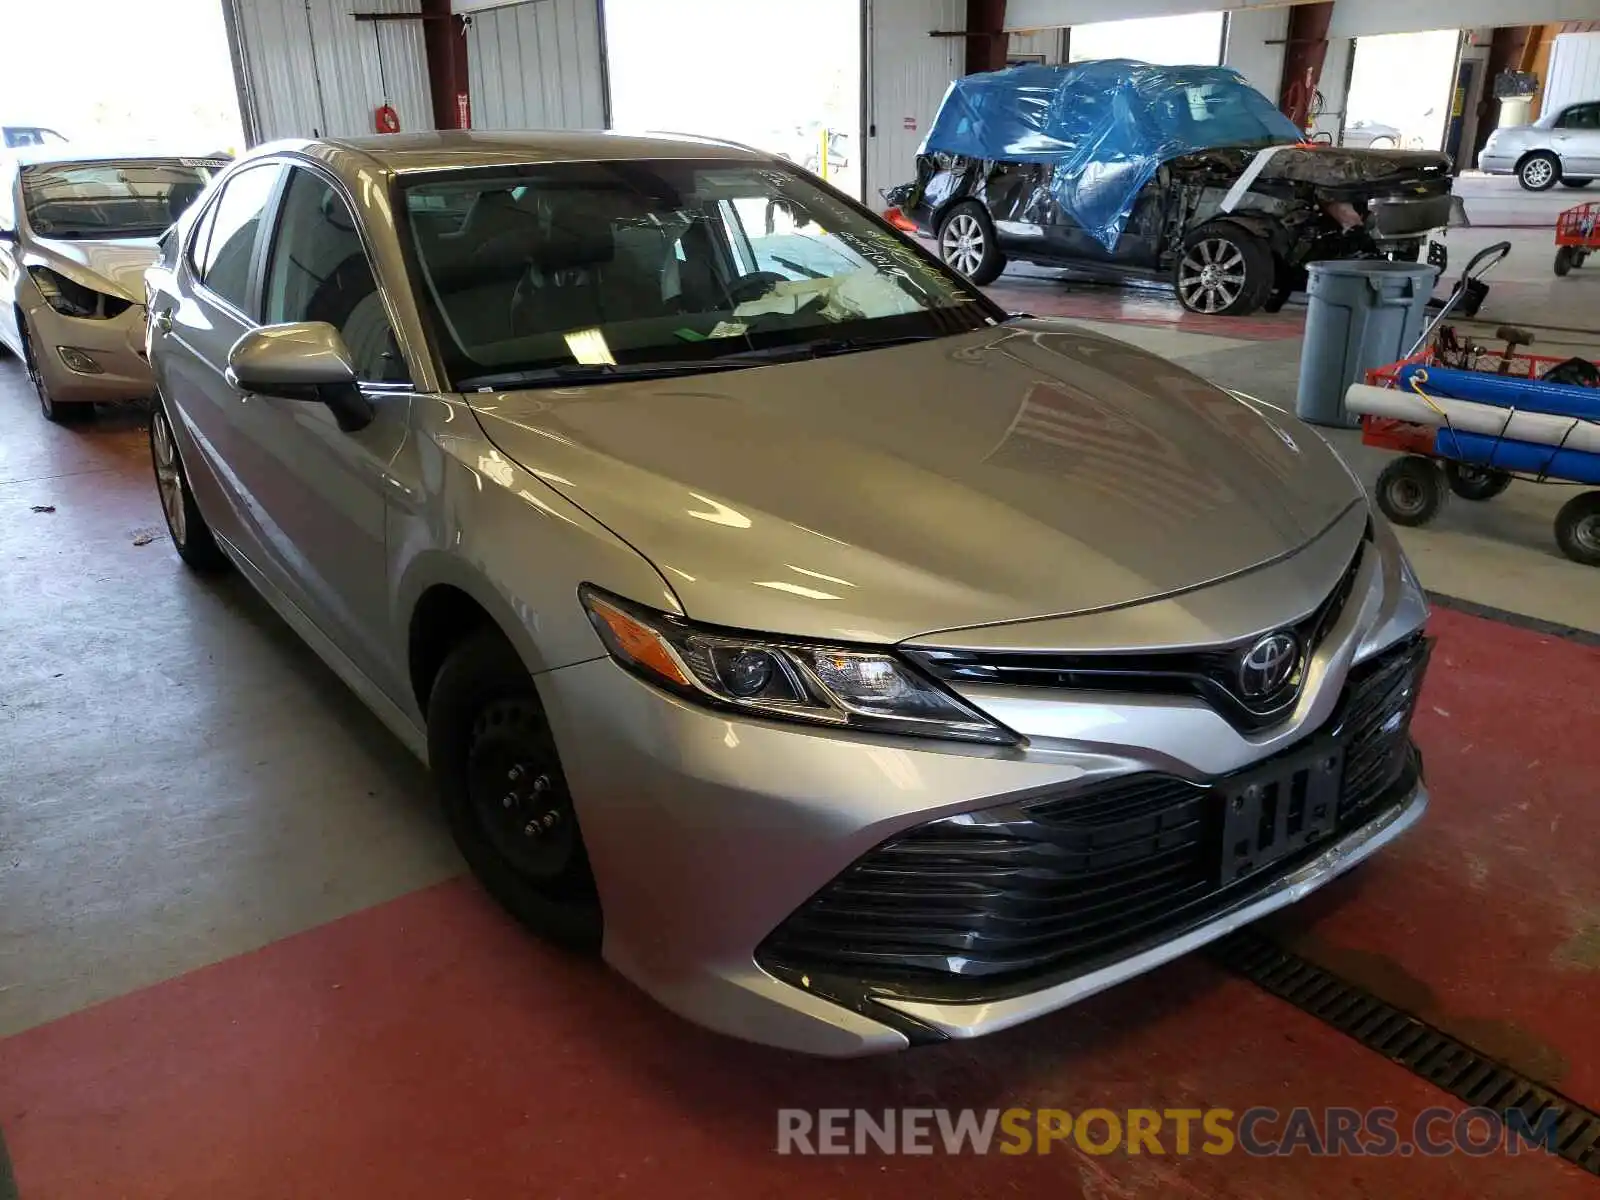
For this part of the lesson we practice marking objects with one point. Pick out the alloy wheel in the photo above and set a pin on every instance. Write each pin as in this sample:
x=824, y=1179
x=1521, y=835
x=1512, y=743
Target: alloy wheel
x=1211, y=277
x=169, y=477
x=964, y=243
x=1586, y=533
x=1538, y=173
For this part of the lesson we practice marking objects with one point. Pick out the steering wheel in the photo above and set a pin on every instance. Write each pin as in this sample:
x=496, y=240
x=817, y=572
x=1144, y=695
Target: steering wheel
x=754, y=286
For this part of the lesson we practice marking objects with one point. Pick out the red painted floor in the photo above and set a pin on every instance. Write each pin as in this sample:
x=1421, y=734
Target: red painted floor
x=425, y=1048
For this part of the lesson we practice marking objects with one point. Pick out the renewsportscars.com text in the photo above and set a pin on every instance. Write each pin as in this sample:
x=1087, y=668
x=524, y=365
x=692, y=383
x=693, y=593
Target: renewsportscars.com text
x=1259, y=1132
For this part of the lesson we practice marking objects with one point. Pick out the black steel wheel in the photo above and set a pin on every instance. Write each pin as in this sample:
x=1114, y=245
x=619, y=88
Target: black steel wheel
x=1476, y=483
x=1225, y=271
x=498, y=772
x=1411, y=490
x=1539, y=172
x=1578, y=529
x=967, y=243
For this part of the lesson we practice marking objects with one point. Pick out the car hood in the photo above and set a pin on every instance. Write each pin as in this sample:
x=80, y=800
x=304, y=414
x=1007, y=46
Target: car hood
x=1023, y=471
x=115, y=266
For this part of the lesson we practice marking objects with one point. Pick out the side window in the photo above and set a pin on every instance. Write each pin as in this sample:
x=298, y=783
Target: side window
x=318, y=271
x=1584, y=116
x=230, y=240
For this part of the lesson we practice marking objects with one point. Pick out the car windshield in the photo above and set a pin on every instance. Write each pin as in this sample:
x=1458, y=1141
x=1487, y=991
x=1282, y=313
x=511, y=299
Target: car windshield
x=30, y=135
x=120, y=198
x=619, y=268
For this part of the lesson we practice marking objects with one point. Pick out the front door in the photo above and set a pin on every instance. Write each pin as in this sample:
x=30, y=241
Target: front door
x=320, y=493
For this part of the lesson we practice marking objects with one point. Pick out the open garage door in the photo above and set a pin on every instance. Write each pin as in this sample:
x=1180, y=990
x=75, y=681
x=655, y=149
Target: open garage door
x=536, y=65
x=781, y=76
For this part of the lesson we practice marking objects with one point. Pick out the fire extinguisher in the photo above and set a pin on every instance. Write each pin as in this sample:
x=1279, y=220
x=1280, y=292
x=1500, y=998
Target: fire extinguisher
x=385, y=119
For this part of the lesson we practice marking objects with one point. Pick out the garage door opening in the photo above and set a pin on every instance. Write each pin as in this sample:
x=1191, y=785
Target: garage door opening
x=1401, y=86
x=785, y=78
x=1191, y=40
x=115, y=74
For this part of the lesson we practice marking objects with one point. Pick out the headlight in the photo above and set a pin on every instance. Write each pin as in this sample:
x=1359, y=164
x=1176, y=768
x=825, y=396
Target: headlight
x=788, y=680
x=72, y=299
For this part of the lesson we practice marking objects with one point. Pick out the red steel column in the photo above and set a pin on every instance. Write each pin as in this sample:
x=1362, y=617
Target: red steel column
x=986, y=35
x=444, y=37
x=1303, y=56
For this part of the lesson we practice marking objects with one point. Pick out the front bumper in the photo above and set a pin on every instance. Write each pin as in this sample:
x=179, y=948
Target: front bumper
x=116, y=347
x=707, y=832
x=1393, y=219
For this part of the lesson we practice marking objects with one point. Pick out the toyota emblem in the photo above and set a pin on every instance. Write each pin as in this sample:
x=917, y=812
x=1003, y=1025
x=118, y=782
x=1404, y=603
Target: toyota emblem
x=1268, y=666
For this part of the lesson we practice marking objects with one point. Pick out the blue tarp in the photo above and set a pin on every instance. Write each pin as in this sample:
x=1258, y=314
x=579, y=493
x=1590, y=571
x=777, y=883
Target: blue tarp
x=1104, y=126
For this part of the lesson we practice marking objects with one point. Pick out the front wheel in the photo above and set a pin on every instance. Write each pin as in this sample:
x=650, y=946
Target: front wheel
x=1411, y=490
x=52, y=409
x=1578, y=529
x=499, y=776
x=1225, y=271
x=1476, y=483
x=1539, y=172
x=967, y=243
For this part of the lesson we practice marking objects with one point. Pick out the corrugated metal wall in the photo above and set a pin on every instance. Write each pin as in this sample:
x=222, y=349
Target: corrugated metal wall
x=314, y=70
x=537, y=65
x=908, y=73
x=1574, y=70
x=1045, y=42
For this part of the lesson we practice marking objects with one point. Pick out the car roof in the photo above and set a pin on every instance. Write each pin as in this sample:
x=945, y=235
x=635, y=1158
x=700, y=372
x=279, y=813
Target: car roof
x=455, y=148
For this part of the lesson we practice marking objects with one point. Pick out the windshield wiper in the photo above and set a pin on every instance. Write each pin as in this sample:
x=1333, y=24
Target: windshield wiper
x=621, y=372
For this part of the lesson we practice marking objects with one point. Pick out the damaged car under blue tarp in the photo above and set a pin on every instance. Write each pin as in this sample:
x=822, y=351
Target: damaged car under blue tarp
x=1104, y=126
x=1187, y=173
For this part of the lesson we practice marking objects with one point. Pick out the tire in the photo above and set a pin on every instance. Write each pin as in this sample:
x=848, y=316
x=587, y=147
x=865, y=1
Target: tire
x=1570, y=182
x=1578, y=529
x=53, y=410
x=1566, y=259
x=1411, y=490
x=1224, y=271
x=499, y=778
x=1475, y=483
x=1539, y=172
x=191, y=536
x=968, y=245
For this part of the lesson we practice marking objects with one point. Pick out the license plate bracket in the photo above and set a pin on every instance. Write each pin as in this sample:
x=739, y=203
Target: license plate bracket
x=1271, y=814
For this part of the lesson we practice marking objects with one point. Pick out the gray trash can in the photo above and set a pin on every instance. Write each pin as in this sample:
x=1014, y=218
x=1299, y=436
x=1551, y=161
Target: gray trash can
x=1364, y=313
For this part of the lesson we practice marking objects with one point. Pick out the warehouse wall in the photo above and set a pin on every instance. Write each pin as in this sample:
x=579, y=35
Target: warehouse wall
x=1248, y=52
x=537, y=65
x=1362, y=18
x=1574, y=69
x=310, y=69
x=908, y=73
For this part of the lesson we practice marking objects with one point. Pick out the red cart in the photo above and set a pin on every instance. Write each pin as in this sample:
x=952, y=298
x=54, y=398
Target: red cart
x=1577, y=233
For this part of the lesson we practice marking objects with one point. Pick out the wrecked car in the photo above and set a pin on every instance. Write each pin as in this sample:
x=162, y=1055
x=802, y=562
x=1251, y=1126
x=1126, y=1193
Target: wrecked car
x=1182, y=173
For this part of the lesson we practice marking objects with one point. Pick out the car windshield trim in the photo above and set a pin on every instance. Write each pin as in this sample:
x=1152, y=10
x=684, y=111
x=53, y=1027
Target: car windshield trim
x=787, y=269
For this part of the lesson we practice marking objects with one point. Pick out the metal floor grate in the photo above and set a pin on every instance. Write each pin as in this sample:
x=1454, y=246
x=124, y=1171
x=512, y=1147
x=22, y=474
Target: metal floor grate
x=1448, y=1064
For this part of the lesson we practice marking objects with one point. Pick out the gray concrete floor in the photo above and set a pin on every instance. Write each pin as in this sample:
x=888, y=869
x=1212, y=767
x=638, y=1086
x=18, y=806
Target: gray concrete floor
x=181, y=780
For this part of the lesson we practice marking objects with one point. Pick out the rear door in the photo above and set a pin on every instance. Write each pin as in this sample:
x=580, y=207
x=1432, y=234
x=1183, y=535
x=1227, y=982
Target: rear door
x=1577, y=140
x=193, y=325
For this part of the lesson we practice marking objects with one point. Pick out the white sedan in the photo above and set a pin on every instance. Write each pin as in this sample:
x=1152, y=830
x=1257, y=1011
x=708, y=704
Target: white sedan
x=1563, y=146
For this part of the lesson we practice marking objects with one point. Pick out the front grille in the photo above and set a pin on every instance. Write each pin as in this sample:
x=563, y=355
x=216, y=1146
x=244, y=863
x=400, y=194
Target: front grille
x=1064, y=881
x=1210, y=674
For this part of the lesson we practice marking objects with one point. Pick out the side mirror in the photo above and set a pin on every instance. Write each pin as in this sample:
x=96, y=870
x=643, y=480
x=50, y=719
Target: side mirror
x=302, y=361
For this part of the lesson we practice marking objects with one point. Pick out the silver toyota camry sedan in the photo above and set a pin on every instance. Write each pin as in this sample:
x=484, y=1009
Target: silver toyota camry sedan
x=851, y=664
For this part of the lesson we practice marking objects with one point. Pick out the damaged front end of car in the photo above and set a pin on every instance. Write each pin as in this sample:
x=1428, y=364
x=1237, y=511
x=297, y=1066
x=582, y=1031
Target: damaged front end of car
x=1315, y=203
